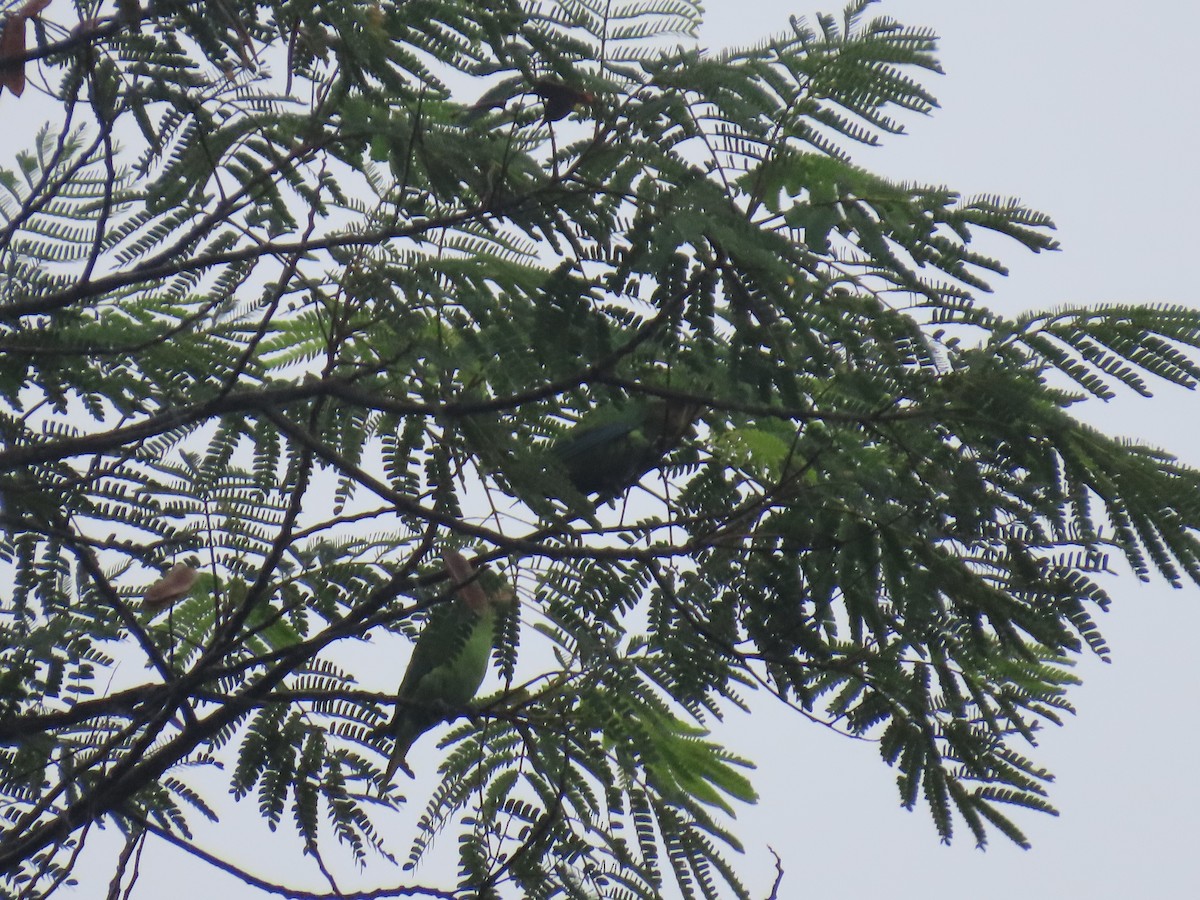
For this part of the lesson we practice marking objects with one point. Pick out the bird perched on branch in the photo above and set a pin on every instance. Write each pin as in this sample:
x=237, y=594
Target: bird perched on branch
x=558, y=97
x=611, y=448
x=449, y=658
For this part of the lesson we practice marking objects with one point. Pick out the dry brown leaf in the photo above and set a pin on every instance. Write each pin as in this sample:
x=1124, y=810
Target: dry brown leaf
x=173, y=586
x=12, y=46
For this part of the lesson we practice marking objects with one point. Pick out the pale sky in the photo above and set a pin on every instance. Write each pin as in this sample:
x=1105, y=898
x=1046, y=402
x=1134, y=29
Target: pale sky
x=1084, y=110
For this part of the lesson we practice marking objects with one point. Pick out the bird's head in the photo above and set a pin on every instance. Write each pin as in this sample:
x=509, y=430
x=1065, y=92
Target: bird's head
x=479, y=589
x=668, y=420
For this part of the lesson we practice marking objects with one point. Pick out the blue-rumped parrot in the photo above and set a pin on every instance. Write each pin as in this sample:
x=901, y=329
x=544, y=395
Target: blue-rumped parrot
x=449, y=658
x=612, y=447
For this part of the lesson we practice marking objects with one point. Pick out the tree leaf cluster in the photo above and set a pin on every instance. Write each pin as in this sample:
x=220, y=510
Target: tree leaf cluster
x=311, y=291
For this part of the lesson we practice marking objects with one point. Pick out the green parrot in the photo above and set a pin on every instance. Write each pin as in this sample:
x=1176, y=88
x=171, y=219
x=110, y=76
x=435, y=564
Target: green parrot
x=610, y=450
x=449, y=658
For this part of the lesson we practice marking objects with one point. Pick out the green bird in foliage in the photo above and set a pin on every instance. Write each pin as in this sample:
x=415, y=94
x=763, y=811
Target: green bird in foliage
x=449, y=658
x=610, y=450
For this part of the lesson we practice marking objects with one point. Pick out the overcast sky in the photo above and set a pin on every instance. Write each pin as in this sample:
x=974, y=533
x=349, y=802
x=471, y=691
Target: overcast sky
x=1084, y=110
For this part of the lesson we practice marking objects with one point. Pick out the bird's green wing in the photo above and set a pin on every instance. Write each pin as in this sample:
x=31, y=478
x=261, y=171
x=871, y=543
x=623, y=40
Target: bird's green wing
x=448, y=664
x=610, y=450
x=604, y=453
x=457, y=639
x=449, y=659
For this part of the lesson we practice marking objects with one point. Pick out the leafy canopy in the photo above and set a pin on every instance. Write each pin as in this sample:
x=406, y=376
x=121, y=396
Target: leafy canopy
x=308, y=291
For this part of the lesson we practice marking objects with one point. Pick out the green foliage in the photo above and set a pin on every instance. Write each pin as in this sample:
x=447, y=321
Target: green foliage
x=333, y=306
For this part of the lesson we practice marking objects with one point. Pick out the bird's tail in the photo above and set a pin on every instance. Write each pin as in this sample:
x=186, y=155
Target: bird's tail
x=398, y=760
